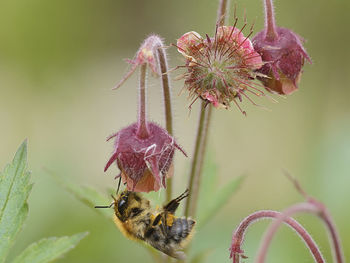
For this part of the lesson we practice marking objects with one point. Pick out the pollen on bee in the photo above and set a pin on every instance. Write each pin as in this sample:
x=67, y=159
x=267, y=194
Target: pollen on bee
x=170, y=220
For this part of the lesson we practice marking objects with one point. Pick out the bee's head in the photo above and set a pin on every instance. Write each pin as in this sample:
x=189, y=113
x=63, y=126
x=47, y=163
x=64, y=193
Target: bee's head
x=129, y=204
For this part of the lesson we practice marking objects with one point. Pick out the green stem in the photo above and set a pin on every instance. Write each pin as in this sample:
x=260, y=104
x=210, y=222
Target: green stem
x=198, y=159
x=202, y=138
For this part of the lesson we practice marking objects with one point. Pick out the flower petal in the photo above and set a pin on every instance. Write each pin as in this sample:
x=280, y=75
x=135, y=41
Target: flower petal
x=211, y=98
x=234, y=36
x=187, y=42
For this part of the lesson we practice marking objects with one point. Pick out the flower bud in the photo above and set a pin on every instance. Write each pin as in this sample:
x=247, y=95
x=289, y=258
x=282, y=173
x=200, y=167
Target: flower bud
x=145, y=55
x=144, y=162
x=283, y=57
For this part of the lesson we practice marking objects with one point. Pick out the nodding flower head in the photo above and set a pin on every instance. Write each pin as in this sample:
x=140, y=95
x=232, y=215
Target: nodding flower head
x=220, y=69
x=144, y=163
x=283, y=57
x=145, y=55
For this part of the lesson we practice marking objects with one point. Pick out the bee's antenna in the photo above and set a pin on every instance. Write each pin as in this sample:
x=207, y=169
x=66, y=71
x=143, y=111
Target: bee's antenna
x=105, y=206
x=120, y=178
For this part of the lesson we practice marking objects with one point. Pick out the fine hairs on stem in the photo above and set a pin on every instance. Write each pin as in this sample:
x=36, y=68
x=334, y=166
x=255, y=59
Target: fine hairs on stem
x=317, y=208
x=236, y=253
x=312, y=206
x=142, y=129
x=270, y=25
x=266, y=241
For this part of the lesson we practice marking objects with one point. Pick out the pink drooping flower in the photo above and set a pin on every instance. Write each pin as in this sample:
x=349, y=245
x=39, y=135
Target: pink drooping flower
x=282, y=53
x=220, y=69
x=284, y=58
x=144, y=163
x=144, y=151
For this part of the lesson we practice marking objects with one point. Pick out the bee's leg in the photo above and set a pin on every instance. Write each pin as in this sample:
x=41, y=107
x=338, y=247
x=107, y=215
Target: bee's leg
x=157, y=219
x=174, y=204
x=120, y=179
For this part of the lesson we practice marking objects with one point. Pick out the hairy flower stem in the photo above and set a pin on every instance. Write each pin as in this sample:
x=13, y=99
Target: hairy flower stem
x=270, y=25
x=142, y=127
x=320, y=210
x=202, y=138
x=270, y=232
x=239, y=233
x=308, y=207
x=338, y=255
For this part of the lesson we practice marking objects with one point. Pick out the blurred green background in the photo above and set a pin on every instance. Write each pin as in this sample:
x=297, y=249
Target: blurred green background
x=59, y=60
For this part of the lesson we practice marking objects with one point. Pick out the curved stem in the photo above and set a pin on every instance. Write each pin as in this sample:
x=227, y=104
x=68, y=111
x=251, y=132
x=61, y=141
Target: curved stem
x=271, y=231
x=313, y=207
x=270, y=25
x=239, y=233
x=338, y=255
x=320, y=210
x=142, y=127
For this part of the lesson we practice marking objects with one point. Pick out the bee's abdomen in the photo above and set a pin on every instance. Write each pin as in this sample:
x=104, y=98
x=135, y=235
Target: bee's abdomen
x=181, y=228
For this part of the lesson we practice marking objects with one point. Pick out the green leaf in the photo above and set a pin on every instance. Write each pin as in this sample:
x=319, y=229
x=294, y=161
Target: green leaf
x=48, y=249
x=86, y=195
x=213, y=199
x=14, y=191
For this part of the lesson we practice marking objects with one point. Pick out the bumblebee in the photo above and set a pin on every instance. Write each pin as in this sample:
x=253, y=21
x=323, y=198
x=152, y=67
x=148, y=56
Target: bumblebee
x=160, y=228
